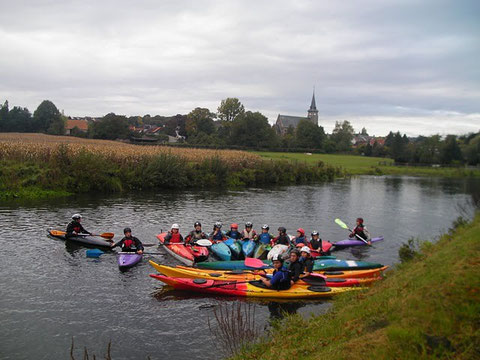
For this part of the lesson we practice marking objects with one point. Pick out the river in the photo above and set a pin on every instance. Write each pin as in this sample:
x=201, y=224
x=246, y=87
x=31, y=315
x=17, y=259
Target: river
x=50, y=291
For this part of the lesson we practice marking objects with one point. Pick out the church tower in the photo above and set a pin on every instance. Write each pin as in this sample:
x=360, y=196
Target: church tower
x=313, y=112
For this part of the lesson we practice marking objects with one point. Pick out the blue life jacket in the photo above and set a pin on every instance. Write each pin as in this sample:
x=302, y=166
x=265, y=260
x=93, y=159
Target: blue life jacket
x=218, y=236
x=300, y=240
x=281, y=279
x=234, y=234
x=264, y=238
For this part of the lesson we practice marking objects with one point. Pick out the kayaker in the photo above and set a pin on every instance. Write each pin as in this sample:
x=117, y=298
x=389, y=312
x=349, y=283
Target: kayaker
x=306, y=261
x=300, y=238
x=280, y=279
x=217, y=234
x=264, y=237
x=282, y=238
x=196, y=233
x=75, y=227
x=316, y=242
x=295, y=268
x=248, y=233
x=361, y=230
x=233, y=232
x=173, y=236
x=129, y=243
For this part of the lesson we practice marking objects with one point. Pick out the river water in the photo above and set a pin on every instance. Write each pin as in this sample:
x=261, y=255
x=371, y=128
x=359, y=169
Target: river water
x=50, y=291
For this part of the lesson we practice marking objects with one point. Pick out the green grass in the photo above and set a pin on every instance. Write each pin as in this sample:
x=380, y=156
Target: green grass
x=364, y=165
x=427, y=308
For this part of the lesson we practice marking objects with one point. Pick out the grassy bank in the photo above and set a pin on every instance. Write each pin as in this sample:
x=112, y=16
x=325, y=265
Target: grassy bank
x=428, y=308
x=36, y=165
x=363, y=165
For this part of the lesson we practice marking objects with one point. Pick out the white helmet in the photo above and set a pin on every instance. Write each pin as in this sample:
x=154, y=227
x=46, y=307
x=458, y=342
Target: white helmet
x=76, y=216
x=305, y=249
x=175, y=226
x=277, y=257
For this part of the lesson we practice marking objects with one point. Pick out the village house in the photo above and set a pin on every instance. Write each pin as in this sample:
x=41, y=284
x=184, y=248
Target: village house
x=80, y=124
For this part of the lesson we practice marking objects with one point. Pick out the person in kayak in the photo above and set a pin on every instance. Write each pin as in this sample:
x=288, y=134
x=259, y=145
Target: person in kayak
x=295, y=268
x=233, y=232
x=264, y=237
x=217, y=234
x=129, y=243
x=280, y=279
x=173, y=236
x=196, y=233
x=316, y=242
x=361, y=230
x=300, y=238
x=75, y=227
x=282, y=238
x=248, y=233
x=306, y=261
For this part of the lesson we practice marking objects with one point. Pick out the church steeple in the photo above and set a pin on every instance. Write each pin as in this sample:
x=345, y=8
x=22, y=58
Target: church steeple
x=313, y=112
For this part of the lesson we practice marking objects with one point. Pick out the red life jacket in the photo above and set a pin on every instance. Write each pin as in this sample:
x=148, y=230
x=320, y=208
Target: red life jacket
x=77, y=229
x=128, y=243
x=175, y=238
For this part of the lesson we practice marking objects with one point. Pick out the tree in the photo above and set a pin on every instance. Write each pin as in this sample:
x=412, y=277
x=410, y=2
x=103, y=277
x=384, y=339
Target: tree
x=48, y=119
x=229, y=109
x=110, y=127
x=251, y=129
x=342, y=136
x=4, y=116
x=20, y=120
x=451, y=151
x=200, y=120
x=399, y=147
x=309, y=135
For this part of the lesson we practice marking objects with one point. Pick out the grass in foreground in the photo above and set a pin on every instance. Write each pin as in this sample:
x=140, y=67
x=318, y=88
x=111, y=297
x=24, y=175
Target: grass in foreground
x=427, y=308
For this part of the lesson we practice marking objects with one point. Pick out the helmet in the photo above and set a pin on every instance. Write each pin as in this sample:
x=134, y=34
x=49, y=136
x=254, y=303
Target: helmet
x=305, y=249
x=197, y=223
x=248, y=224
x=76, y=216
x=218, y=224
x=234, y=226
x=314, y=233
x=127, y=229
x=265, y=227
x=360, y=220
x=277, y=257
x=282, y=229
x=301, y=231
x=175, y=226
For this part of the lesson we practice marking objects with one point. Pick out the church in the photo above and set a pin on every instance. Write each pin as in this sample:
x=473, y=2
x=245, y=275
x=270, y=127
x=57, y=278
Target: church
x=285, y=121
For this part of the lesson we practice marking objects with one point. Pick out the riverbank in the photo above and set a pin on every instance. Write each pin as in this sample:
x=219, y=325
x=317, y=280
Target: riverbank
x=38, y=165
x=428, y=307
x=364, y=165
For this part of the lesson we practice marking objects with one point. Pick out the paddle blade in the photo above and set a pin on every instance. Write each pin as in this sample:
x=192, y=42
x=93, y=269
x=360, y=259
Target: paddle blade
x=254, y=263
x=94, y=253
x=341, y=223
x=107, y=235
x=204, y=242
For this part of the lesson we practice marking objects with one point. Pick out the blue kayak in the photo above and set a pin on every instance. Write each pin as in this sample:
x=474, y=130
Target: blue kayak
x=221, y=251
x=235, y=247
x=248, y=247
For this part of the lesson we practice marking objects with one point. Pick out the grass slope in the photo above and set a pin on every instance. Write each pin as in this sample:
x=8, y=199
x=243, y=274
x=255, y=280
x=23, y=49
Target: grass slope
x=427, y=308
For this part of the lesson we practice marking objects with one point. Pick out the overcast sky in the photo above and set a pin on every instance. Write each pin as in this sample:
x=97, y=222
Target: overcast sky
x=412, y=66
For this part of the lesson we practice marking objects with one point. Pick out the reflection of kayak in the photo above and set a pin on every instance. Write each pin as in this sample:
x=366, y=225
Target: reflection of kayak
x=126, y=260
x=86, y=240
x=235, y=247
x=221, y=251
x=187, y=254
x=249, y=289
x=354, y=242
x=248, y=275
x=248, y=247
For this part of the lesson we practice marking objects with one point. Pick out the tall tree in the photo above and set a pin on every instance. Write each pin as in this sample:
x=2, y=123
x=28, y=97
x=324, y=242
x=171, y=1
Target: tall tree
x=229, y=109
x=110, y=127
x=252, y=129
x=342, y=135
x=4, y=116
x=20, y=120
x=451, y=151
x=200, y=120
x=309, y=135
x=48, y=119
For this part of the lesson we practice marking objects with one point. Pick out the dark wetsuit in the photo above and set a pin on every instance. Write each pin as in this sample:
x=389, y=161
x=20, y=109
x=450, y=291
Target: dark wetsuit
x=130, y=244
x=75, y=226
x=295, y=269
x=282, y=240
x=307, y=264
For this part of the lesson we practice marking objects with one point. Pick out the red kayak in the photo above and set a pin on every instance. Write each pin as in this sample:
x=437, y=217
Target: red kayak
x=187, y=254
x=326, y=247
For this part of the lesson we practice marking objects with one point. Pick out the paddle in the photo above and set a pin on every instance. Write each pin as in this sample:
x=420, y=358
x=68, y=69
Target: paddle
x=95, y=253
x=106, y=235
x=343, y=225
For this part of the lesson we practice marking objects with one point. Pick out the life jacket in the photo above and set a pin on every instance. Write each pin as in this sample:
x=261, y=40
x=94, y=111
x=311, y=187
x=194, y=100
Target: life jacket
x=284, y=282
x=359, y=231
x=175, y=238
x=248, y=235
x=234, y=234
x=218, y=236
x=196, y=235
x=264, y=238
x=282, y=240
x=300, y=240
x=128, y=243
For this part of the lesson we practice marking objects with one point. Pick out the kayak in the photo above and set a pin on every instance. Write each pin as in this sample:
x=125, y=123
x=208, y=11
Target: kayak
x=261, y=251
x=235, y=247
x=248, y=247
x=187, y=254
x=126, y=260
x=354, y=242
x=277, y=250
x=86, y=240
x=193, y=273
x=367, y=273
x=221, y=251
x=250, y=289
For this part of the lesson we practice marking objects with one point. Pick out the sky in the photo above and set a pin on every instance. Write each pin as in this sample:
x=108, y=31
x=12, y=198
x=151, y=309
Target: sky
x=411, y=66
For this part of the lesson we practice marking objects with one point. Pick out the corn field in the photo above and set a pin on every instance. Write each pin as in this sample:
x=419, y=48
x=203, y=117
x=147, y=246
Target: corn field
x=41, y=147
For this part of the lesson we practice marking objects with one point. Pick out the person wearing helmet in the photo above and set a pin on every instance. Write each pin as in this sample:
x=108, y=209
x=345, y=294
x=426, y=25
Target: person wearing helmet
x=196, y=233
x=173, y=236
x=264, y=237
x=280, y=279
x=306, y=261
x=361, y=231
x=217, y=234
x=248, y=233
x=129, y=243
x=75, y=227
x=282, y=238
x=233, y=232
x=295, y=268
x=316, y=242
x=300, y=238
